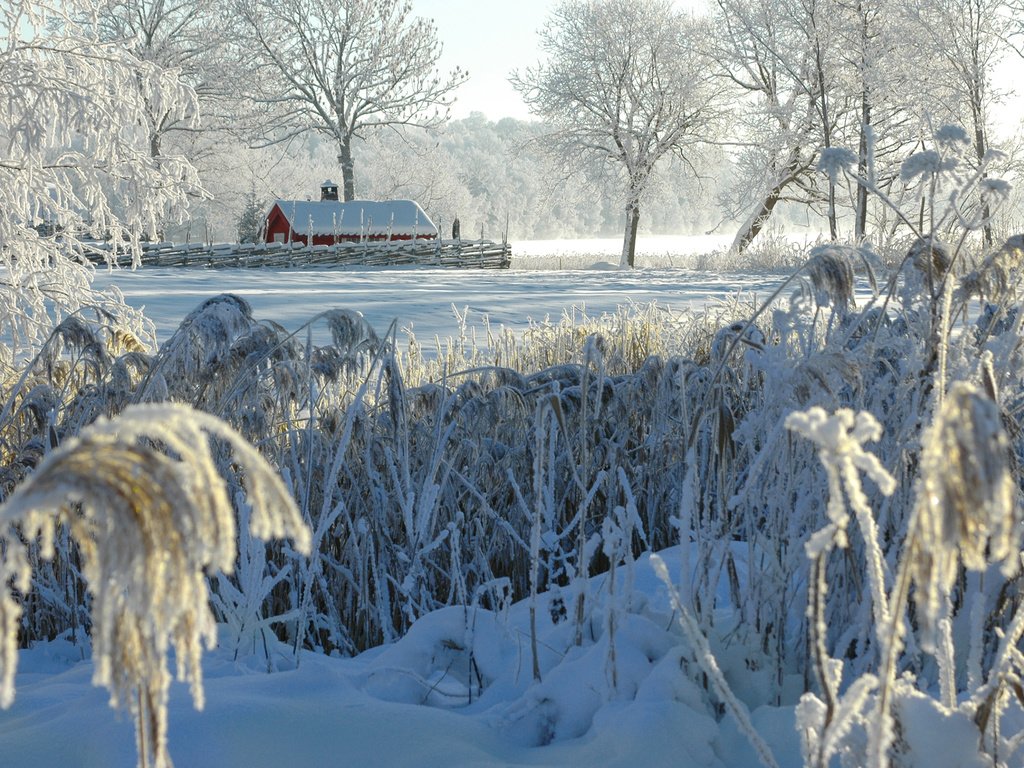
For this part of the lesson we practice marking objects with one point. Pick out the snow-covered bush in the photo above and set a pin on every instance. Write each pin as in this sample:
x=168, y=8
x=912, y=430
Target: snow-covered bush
x=74, y=164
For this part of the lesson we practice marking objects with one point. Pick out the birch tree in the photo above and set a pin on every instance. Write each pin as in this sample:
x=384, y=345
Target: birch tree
x=345, y=68
x=864, y=46
x=624, y=81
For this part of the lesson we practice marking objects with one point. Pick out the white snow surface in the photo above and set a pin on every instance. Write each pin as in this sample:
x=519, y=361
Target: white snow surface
x=408, y=704
x=425, y=301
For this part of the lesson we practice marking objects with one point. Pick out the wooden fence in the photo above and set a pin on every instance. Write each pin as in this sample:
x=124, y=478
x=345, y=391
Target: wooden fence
x=461, y=254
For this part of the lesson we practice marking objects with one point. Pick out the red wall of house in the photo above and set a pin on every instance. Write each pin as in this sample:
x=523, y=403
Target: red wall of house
x=277, y=224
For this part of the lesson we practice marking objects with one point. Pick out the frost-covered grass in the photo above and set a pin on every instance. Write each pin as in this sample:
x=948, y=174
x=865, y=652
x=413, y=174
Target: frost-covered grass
x=834, y=483
x=774, y=250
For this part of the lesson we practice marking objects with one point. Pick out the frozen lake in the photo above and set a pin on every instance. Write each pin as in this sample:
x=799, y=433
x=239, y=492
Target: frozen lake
x=423, y=299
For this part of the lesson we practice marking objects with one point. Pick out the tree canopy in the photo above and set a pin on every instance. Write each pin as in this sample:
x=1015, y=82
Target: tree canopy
x=345, y=68
x=624, y=81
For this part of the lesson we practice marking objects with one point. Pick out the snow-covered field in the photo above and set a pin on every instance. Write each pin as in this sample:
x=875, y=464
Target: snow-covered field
x=426, y=300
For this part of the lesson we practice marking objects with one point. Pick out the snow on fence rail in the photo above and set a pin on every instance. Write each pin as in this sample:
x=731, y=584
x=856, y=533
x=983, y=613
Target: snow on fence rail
x=464, y=254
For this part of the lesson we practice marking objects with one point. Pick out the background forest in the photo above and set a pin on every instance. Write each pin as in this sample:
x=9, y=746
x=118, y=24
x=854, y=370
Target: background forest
x=492, y=175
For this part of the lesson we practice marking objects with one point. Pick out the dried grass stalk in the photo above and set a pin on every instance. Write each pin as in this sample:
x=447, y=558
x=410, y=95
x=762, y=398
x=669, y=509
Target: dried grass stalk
x=997, y=277
x=143, y=498
x=966, y=501
x=832, y=276
x=930, y=257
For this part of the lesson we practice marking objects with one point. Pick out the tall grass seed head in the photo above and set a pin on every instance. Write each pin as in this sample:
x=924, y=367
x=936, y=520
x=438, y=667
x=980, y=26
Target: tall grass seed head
x=997, y=277
x=832, y=276
x=968, y=495
x=929, y=256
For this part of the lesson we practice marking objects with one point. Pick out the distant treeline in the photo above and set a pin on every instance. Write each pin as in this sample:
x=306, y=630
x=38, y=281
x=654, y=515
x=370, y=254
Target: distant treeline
x=495, y=176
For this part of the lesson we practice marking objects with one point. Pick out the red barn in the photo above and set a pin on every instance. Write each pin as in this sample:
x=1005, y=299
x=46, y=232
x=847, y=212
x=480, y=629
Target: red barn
x=328, y=221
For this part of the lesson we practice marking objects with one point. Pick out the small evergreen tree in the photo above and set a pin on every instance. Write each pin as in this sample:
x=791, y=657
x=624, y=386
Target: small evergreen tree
x=251, y=220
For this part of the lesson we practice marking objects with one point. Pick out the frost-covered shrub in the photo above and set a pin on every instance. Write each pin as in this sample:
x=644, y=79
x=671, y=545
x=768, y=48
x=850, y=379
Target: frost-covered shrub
x=76, y=165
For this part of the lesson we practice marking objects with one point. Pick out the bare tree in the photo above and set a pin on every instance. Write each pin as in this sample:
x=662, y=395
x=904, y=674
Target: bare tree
x=188, y=36
x=812, y=75
x=623, y=80
x=776, y=128
x=344, y=68
x=969, y=39
x=865, y=49
x=883, y=81
x=782, y=57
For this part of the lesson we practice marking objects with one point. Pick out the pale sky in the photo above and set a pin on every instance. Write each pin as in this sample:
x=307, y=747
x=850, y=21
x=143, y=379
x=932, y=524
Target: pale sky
x=489, y=38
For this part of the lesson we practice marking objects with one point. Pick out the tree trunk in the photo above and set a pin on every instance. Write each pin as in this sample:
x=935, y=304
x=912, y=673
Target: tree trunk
x=756, y=222
x=826, y=127
x=861, y=224
x=347, y=168
x=980, y=149
x=629, y=242
x=154, y=152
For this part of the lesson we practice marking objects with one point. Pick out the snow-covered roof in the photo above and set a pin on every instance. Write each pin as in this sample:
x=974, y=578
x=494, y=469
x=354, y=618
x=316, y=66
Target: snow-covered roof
x=331, y=217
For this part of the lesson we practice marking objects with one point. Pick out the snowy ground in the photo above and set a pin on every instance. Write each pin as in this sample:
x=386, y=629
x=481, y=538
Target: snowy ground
x=423, y=299
x=415, y=703
x=547, y=278
x=409, y=704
